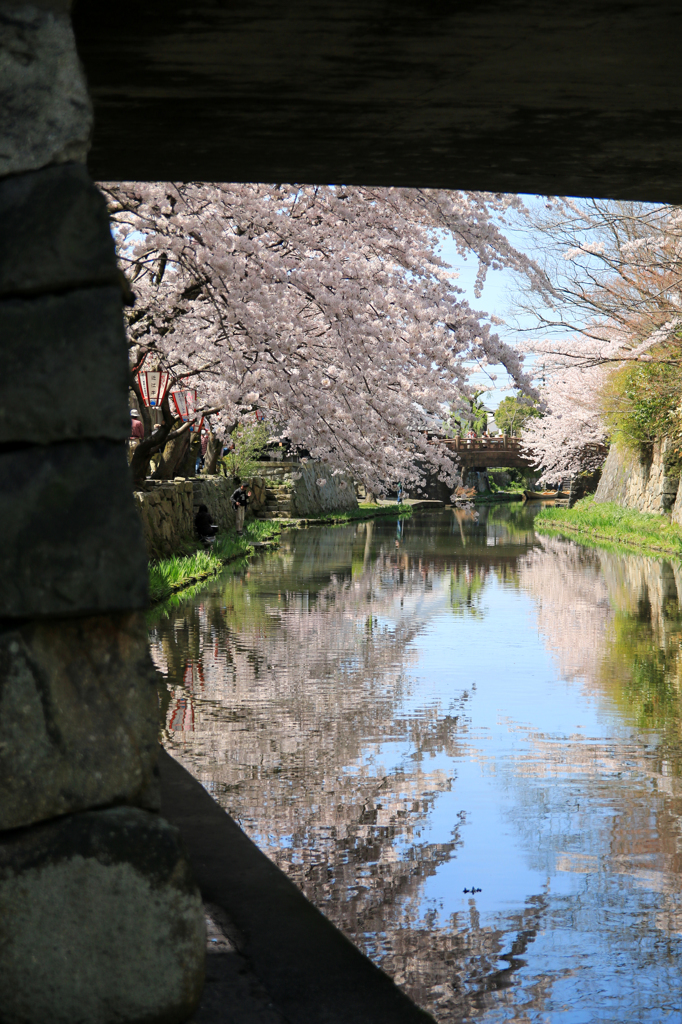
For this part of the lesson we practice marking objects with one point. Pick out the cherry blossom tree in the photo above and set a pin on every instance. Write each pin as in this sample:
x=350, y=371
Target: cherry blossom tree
x=326, y=308
x=571, y=437
x=603, y=270
x=612, y=280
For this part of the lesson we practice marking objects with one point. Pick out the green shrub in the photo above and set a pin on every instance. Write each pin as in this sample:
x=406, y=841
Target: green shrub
x=641, y=404
x=249, y=441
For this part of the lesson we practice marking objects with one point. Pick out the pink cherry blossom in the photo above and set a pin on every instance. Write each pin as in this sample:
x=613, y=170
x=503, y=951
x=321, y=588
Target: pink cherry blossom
x=325, y=308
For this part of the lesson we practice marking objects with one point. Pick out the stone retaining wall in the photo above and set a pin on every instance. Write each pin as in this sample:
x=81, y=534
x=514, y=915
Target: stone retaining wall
x=646, y=485
x=167, y=507
x=215, y=492
x=315, y=490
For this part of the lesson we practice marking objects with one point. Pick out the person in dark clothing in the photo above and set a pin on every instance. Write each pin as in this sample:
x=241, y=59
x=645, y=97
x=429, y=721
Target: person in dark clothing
x=203, y=525
x=240, y=500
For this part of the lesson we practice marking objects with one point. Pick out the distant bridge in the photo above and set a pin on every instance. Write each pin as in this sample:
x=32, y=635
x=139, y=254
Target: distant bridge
x=486, y=452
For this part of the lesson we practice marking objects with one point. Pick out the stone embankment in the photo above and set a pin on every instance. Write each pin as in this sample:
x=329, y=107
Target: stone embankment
x=100, y=918
x=280, y=490
x=645, y=484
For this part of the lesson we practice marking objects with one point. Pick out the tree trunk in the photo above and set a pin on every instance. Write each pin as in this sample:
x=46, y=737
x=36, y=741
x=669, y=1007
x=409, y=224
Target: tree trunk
x=148, y=446
x=172, y=455
x=187, y=466
x=212, y=453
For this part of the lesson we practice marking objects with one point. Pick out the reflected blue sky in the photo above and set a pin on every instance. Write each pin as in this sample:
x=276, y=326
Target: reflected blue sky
x=389, y=747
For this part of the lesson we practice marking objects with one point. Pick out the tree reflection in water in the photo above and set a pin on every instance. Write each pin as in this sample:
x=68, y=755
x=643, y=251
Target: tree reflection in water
x=290, y=697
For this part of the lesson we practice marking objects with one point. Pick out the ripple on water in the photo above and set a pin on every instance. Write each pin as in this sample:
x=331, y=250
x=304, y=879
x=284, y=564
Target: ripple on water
x=399, y=716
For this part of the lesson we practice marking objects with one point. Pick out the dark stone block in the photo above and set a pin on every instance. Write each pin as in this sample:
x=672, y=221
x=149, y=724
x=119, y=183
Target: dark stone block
x=45, y=112
x=65, y=368
x=80, y=717
x=100, y=922
x=54, y=232
x=71, y=539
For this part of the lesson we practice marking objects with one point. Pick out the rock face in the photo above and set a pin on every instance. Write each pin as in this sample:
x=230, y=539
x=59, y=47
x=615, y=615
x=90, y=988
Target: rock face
x=642, y=484
x=100, y=922
x=79, y=708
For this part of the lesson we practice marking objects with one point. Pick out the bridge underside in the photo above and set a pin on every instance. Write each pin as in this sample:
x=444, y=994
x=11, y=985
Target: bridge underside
x=581, y=99
x=493, y=460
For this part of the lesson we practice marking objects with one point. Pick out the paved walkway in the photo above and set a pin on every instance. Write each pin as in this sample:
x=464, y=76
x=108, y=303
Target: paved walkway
x=416, y=503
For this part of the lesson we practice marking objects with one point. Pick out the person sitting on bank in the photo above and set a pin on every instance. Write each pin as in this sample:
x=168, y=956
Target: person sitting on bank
x=240, y=500
x=203, y=525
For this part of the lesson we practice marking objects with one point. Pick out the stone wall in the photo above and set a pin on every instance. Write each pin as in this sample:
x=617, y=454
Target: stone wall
x=639, y=483
x=167, y=507
x=215, y=493
x=100, y=919
x=315, y=490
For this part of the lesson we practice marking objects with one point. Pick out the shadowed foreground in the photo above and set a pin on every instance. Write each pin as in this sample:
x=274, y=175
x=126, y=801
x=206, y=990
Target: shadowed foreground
x=290, y=962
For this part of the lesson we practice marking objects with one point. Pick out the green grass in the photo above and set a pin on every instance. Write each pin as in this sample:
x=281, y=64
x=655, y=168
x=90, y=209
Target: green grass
x=617, y=526
x=260, y=530
x=179, y=571
x=170, y=575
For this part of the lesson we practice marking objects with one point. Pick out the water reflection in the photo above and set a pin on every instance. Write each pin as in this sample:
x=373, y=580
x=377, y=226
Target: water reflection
x=398, y=712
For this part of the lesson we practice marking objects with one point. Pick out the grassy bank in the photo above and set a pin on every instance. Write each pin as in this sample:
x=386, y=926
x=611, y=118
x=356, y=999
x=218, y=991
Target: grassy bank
x=170, y=575
x=606, y=523
x=192, y=568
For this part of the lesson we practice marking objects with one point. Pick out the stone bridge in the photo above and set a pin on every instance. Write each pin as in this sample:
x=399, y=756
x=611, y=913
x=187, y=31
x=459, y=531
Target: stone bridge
x=487, y=452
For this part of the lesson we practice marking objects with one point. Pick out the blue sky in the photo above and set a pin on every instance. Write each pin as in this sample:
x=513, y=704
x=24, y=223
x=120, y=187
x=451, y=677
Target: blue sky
x=496, y=299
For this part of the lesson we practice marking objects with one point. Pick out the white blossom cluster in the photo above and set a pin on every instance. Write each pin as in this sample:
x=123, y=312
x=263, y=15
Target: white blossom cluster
x=613, y=277
x=326, y=308
x=570, y=437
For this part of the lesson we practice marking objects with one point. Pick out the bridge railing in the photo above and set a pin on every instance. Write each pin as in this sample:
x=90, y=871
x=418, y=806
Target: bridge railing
x=468, y=444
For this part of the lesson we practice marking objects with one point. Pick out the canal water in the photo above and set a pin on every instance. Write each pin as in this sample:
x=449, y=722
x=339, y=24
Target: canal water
x=461, y=739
